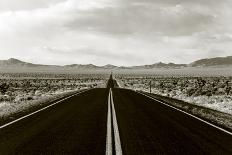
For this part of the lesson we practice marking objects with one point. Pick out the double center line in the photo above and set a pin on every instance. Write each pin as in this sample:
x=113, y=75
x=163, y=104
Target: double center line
x=113, y=143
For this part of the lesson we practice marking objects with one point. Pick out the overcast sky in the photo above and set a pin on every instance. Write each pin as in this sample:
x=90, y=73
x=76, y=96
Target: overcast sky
x=119, y=32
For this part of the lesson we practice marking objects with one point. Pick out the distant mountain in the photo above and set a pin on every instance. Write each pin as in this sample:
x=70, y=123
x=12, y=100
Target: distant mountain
x=218, y=61
x=17, y=63
x=160, y=65
x=109, y=66
x=79, y=66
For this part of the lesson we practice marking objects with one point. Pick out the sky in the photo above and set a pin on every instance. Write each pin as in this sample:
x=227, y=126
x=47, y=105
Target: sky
x=118, y=32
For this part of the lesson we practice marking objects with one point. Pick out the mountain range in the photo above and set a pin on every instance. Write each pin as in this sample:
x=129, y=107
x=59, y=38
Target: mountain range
x=210, y=62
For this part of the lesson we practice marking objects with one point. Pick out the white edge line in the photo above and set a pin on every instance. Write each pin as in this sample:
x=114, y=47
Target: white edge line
x=21, y=118
x=117, y=142
x=228, y=132
x=109, y=130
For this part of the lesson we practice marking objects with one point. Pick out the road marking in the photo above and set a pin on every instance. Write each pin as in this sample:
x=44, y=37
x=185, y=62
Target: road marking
x=117, y=142
x=109, y=130
x=35, y=112
x=228, y=132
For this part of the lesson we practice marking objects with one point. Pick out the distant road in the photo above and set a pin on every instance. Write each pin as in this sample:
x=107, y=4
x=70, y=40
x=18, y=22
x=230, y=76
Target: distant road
x=101, y=122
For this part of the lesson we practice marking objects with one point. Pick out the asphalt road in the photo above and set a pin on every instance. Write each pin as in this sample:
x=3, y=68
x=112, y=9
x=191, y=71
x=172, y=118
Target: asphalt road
x=149, y=127
x=74, y=126
x=78, y=125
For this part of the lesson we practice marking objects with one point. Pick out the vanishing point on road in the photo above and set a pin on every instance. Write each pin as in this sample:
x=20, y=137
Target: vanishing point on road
x=112, y=121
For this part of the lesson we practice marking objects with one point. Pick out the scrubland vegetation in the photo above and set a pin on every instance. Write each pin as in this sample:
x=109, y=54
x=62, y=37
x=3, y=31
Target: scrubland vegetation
x=22, y=90
x=211, y=92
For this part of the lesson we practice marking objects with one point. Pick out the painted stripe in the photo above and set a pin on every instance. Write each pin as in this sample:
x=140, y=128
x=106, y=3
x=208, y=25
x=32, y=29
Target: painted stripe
x=117, y=142
x=21, y=118
x=109, y=130
x=217, y=127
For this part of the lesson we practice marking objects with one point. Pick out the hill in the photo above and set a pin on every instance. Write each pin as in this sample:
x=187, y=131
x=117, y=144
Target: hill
x=16, y=63
x=218, y=61
x=160, y=65
x=79, y=66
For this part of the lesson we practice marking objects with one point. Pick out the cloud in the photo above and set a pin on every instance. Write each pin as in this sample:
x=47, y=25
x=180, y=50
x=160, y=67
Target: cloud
x=142, y=19
x=125, y=32
x=12, y=5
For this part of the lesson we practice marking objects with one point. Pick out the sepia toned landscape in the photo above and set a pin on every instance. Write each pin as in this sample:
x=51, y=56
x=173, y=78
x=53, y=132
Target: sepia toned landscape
x=118, y=77
x=206, y=86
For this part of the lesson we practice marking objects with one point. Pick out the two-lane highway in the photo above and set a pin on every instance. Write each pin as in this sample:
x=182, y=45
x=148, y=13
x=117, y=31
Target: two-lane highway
x=112, y=121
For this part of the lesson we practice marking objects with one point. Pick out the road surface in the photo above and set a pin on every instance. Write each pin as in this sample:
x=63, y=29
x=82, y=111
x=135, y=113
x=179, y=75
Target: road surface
x=149, y=127
x=74, y=126
x=112, y=121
